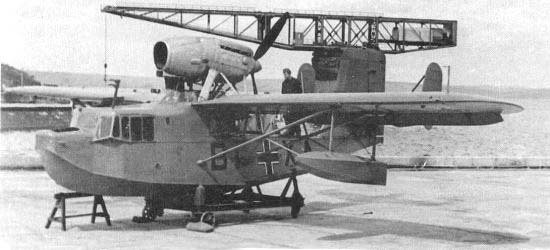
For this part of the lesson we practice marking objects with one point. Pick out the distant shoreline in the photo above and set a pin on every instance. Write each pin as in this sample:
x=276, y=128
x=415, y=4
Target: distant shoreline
x=274, y=85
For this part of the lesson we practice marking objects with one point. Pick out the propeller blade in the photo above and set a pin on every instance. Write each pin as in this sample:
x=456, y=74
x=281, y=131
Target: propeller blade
x=270, y=37
x=254, y=88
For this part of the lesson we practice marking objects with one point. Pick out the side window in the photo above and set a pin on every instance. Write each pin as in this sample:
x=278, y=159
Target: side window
x=116, y=127
x=148, y=128
x=135, y=128
x=219, y=163
x=125, y=124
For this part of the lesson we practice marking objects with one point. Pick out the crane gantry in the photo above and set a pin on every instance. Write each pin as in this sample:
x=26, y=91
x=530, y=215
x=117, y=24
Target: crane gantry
x=305, y=31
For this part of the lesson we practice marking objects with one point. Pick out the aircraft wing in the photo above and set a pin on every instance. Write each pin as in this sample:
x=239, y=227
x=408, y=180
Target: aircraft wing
x=88, y=94
x=392, y=108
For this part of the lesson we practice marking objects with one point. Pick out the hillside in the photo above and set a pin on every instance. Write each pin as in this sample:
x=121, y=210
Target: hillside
x=95, y=80
x=15, y=77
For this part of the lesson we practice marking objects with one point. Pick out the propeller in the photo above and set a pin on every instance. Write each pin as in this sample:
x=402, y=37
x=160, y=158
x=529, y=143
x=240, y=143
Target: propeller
x=270, y=37
x=267, y=42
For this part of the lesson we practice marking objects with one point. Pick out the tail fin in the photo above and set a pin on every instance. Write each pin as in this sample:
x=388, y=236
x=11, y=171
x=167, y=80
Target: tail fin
x=306, y=75
x=347, y=70
x=433, y=78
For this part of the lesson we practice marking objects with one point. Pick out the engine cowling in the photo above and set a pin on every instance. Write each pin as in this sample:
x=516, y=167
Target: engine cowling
x=183, y=57
x=191, y=57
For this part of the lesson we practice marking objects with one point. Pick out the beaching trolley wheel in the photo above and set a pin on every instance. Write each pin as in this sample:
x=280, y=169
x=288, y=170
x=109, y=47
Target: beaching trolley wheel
x=208, y=218
x=148, y=213
x=298, y=202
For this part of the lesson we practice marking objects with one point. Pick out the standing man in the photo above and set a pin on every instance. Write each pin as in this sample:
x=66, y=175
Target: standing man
x=291, y=85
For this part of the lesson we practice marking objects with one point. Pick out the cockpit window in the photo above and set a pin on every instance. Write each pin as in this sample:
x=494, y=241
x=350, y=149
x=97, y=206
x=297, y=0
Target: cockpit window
x=125, y=125
x=135, y=128
x=116, y=127
x=104, y=129
x=148, y=128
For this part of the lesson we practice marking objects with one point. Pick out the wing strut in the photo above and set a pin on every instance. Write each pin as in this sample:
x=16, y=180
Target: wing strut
x=283, y=147
x=417, y=84
x=331, y=130
x=373, y=135
x=205, y=91
x=309, y=117
x=229, y=83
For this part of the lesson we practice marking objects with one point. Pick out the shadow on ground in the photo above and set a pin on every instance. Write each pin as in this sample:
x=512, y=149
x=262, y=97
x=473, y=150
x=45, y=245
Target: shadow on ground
x=366, y=227
x=362, y=227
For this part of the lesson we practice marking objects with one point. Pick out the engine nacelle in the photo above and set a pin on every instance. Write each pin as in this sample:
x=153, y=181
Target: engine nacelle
x=191, y=57
x=175, y=56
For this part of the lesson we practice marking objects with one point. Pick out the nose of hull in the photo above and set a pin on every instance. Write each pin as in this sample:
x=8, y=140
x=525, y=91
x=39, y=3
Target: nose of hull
x=48, y=145
x=68, y=159
x=60, y=157
x=61, y=171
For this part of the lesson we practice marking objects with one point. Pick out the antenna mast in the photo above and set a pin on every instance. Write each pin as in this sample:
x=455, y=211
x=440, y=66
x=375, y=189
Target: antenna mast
x=105, y=50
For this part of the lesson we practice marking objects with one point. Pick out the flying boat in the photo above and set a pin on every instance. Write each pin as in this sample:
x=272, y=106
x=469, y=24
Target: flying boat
x=206, y=146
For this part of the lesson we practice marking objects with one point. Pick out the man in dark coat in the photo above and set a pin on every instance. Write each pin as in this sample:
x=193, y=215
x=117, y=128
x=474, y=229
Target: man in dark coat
x=291, y=85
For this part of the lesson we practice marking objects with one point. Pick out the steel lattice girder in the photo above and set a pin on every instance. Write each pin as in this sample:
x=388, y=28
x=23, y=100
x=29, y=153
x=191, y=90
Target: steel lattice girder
x=330, y=30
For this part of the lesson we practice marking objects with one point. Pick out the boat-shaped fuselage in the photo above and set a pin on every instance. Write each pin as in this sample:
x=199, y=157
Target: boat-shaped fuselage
x=140, y=150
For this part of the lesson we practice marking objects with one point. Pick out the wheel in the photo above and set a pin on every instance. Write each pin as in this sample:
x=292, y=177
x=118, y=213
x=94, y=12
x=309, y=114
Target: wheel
x=208, y=218
x=298, y=201
x=158, y=210
x=149, y=213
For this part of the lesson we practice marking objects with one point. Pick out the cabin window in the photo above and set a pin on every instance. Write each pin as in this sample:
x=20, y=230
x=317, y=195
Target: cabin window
x=218, y=163
x=135, y=128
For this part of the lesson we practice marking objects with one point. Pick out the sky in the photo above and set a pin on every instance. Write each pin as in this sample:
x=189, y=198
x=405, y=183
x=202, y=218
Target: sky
x=500, y=43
